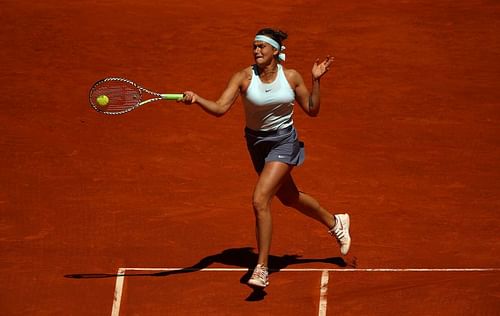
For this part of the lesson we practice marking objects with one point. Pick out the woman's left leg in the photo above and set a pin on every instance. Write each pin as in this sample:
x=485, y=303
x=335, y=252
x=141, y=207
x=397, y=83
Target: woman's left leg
x=338, y=224
x=290, y=196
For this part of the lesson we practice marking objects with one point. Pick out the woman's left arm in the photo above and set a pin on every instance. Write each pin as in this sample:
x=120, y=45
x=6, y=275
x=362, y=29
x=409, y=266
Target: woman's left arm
x=310, y=103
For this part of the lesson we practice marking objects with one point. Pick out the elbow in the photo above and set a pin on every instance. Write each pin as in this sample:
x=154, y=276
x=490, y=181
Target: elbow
x=219, y=112
x=313, y=108
x=313, y=112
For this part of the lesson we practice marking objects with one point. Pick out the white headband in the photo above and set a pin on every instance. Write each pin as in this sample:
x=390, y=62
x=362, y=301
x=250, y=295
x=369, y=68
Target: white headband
x=273, y=43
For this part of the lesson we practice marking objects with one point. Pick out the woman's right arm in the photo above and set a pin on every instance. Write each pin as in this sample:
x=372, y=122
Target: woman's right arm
x=226, y=100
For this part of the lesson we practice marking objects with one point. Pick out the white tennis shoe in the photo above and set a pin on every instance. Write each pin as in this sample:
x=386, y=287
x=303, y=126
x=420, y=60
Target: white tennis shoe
x=341, y=232
x=260, y=277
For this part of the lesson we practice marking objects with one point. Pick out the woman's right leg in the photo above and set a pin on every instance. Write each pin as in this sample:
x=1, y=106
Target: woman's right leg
x=269, y=182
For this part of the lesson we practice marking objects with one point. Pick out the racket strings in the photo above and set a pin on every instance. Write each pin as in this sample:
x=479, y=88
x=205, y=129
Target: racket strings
x=122, y=96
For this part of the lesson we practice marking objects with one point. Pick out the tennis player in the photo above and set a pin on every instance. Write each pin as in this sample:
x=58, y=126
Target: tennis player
x=269, y=91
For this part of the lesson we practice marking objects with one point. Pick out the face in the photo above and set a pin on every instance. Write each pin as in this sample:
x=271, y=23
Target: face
x=263, y=53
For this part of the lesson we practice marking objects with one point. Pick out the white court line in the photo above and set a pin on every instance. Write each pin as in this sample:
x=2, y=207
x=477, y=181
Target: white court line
x=324, y=278
x=118, y=292
x=329, y=270
x=322, y=293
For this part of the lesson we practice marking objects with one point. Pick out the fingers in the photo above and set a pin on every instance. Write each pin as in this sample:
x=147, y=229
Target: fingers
x=320, y=68
x=189, y=97
x=328, y=61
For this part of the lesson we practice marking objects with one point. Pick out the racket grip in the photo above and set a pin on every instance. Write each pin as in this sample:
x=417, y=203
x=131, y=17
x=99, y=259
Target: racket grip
x=172, y=96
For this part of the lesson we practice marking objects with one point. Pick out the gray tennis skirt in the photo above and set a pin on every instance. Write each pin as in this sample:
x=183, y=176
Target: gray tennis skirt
x=279, y=145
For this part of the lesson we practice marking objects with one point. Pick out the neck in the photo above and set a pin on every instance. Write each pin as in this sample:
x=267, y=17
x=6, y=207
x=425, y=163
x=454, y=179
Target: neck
x=268, y=70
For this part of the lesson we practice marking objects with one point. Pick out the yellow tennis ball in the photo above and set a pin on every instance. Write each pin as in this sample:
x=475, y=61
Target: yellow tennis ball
x=102, y=100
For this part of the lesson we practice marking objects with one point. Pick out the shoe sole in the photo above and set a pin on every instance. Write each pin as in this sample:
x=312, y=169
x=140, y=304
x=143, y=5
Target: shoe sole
x=257, y=284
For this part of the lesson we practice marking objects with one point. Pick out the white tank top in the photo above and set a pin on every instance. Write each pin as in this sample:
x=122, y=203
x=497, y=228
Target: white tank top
x=269, y=106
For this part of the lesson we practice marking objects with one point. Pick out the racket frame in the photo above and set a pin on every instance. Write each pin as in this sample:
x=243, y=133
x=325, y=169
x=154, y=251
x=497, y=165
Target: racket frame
x=156, y=96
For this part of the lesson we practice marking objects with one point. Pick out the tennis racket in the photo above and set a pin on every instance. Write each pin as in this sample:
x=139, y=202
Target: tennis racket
x=119, y=96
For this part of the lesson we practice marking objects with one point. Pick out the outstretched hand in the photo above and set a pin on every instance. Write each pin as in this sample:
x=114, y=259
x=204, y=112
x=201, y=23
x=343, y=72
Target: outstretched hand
x=189, y=97
x=320, y=68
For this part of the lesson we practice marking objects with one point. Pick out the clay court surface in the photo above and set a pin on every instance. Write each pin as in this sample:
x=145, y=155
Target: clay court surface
x=408, y=141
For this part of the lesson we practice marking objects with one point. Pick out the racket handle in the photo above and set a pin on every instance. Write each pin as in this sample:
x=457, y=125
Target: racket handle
x=172, y=96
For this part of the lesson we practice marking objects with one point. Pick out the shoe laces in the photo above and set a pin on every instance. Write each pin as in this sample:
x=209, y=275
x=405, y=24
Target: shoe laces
x=260, y=272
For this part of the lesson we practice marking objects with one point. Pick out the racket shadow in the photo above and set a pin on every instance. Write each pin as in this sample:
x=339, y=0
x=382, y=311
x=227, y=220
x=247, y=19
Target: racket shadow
x=244, y=257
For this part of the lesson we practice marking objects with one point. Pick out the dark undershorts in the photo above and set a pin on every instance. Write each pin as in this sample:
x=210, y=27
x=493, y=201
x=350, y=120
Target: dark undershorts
x=280, y=145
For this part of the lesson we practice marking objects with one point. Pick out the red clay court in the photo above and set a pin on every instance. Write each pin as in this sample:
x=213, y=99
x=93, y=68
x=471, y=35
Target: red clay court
x=149, y=213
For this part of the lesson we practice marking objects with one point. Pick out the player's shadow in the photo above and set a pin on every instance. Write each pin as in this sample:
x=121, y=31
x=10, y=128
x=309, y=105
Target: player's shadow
x=239, y=257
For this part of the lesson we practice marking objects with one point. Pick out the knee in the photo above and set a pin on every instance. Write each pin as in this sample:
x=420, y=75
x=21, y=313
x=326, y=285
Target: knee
x=260, y=204
x=289, y=199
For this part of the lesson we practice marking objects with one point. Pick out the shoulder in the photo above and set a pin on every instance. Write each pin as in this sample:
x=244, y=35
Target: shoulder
x=245, y=73
x=243, y=77
x=293, y=76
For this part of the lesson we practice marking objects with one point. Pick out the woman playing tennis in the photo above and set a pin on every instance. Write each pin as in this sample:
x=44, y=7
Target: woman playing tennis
x=269, y=91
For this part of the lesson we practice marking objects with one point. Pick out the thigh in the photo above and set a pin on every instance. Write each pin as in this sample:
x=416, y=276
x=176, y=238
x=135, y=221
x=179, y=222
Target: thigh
x=271, y=178
x=288, y=191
